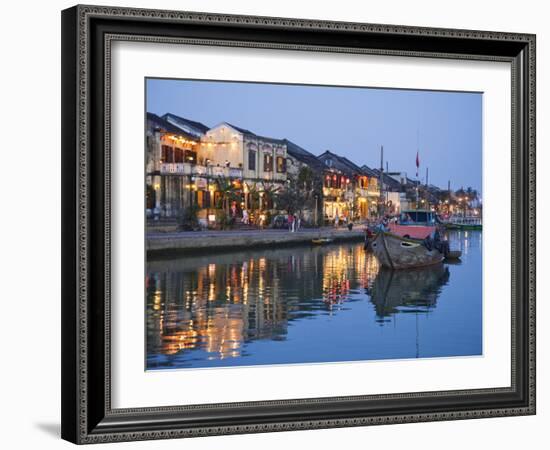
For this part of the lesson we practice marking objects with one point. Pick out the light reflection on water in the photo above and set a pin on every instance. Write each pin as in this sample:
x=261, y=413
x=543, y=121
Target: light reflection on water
x=310, y=304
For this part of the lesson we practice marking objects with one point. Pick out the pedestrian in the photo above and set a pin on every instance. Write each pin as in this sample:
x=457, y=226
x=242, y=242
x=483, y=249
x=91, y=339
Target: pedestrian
x=336, y=221
x=290, y=222
x=245, y=217
x=298, y=223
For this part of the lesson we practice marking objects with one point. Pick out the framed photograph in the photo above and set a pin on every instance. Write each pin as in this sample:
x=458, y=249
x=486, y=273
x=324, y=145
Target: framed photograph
x=280, y=224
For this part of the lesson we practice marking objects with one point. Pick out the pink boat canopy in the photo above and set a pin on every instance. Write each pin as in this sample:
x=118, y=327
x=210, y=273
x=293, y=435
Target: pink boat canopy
x=412, y=231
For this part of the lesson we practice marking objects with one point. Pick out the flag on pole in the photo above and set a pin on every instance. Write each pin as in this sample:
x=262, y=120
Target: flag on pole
x=417, y=163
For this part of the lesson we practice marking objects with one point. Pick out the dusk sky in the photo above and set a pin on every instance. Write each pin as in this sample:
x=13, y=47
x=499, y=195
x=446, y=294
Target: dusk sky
x=446, y=127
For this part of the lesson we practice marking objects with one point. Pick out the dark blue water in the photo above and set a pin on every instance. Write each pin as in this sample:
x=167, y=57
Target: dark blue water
x=311, y=304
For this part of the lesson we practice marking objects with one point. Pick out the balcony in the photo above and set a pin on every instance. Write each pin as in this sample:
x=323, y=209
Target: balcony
x=369, y=192
x=194, y=169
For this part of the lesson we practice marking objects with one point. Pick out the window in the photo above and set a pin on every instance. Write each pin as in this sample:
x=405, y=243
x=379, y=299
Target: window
x=178, y=155
x=167, y=155
x=251, y=160
x=190, y=157
x=281, y=164
x=268, y=163
x=206, y=199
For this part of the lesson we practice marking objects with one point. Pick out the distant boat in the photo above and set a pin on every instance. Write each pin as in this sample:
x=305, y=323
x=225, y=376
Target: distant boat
x=462, y=223
x=396, y=252
x=321, y=241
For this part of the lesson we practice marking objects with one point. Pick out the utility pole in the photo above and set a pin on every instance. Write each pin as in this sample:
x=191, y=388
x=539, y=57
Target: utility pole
x=387, y=193
x=427, y=192
x=381, y=179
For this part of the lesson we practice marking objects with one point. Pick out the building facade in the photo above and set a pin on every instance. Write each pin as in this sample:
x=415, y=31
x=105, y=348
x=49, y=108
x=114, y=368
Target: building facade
x=349, y=191
x=225, y=170
x=171, y=155
x=257, y=165
x=223, y=167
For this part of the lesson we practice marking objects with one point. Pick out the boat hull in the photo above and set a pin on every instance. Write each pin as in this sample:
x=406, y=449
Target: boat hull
x=463, y=226
x=395, y=252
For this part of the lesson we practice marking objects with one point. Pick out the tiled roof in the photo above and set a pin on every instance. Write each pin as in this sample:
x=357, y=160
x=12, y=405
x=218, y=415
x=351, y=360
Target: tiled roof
x=301, y=154
x=201, y=127
x=162, y=124
x=242, y=130
x=342, y=164
x=368, y=171
x=254, y=135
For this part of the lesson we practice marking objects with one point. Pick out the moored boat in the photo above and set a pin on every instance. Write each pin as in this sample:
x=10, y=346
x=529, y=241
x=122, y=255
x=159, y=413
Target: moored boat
x=462, y=223
x=396, y=252
x=321, y=241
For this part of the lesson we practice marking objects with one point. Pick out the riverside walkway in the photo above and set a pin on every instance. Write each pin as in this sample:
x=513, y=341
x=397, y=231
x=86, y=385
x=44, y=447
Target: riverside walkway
x=187, y=241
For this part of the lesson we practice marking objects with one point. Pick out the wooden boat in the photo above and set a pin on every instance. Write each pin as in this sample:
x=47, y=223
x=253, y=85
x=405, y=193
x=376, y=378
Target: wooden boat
x=321, y=241
x=396, y=252
x=462, y=223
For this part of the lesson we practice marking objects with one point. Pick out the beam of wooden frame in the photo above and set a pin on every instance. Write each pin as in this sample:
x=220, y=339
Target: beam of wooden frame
x=87, y=35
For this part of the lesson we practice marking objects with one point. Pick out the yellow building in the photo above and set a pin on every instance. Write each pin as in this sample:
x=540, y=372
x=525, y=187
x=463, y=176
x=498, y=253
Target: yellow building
x=349, y=191
x=257, y=163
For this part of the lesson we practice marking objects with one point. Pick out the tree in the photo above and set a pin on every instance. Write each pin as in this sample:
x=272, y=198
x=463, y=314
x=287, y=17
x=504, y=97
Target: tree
x=228, y=193
x=270, y=194
x=300, y=192
x=253, y=196
x=310, y=184
x=188, y=219
x=290, y=198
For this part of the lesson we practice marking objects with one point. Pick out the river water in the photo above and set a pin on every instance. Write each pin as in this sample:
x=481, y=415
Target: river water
x=310, y=304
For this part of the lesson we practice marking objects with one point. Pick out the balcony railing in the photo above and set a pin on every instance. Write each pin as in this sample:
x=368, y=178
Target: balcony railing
x=193, y=169
x=361, y=192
